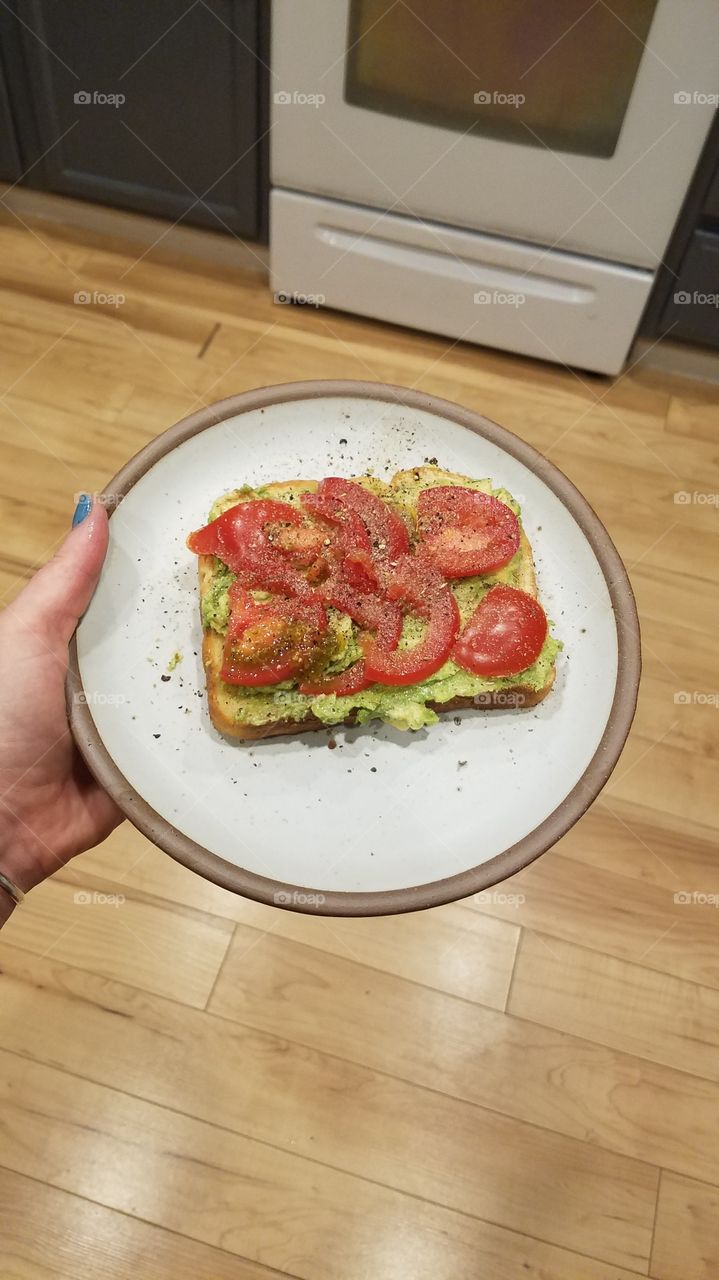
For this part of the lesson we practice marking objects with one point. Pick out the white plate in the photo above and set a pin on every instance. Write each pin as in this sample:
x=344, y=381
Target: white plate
x=394, y=820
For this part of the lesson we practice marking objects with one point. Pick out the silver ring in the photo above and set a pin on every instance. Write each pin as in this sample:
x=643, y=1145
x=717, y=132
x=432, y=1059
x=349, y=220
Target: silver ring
x=16, y=894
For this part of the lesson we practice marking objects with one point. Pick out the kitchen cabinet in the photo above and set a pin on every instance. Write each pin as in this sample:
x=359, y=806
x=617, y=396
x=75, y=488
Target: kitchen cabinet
x=10, y=167
x=155, y=107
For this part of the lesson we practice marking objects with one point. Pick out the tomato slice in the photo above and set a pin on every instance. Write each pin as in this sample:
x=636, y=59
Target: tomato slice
x=464, y=532
x=303, y=543
x=242, y=540
x=505, y=634
x=367, y=523
x=272, y=640
x=359, y=572
x=353, y=680
x=425, y=591
x=370, y=611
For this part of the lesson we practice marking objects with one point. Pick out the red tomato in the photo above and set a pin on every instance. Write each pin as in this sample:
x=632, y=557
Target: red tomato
x=421, y=587
x=371, y=612
x=369, y=524
x=241, y=539
x=359, y=572
x=350, y=681
x=303, y=543
x=271, y=640
x=505, y=634
x=464, y=532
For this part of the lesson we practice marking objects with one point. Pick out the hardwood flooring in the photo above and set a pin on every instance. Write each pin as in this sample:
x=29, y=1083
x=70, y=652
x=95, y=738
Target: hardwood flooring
x=193, y=1086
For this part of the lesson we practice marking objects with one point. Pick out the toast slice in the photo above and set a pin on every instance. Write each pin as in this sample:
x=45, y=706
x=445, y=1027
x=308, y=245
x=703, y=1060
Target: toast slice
x=250, y=714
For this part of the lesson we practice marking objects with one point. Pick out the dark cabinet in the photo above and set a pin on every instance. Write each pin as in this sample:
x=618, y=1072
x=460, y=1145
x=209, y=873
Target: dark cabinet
x=692, y=309
x=684, y=304
x=10, y=166
x=154, y=106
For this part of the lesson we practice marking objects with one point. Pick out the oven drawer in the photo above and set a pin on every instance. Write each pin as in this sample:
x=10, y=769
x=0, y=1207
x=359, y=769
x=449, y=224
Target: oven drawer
x=518, y=297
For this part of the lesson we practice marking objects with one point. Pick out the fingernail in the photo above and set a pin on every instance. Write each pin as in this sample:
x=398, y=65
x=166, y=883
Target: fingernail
x=82, y=509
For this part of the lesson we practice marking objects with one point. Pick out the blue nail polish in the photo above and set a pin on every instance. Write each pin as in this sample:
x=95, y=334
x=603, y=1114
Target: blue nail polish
x=82, y=509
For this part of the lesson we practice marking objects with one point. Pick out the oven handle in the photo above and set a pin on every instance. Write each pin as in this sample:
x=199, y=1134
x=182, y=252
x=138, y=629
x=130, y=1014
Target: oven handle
x=449, y=265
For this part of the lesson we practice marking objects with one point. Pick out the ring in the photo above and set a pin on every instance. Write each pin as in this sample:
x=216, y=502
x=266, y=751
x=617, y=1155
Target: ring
x=16, y=894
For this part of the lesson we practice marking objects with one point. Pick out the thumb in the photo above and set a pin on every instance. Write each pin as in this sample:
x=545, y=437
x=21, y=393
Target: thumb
x=55, y=599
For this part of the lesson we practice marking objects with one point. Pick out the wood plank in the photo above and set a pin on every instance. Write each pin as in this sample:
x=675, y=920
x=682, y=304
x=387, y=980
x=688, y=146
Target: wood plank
x=32, y=253
x=667, y=655
x=448, y=949
x=100, y=321
x=102, y=928
x=82, y=440
x=665, y=928
x=624, y=1006
x=72, y=377
x=107, y=372
x=662, y=596
x=148, y=412
x=50, y=1235
x=660, y=776
x=686, y=1244
x=686, y=726
x=693, y=414
x=567, y=897
x=416, y=1139
x=431, y=1040
x=279, y=1207
x=634, y=841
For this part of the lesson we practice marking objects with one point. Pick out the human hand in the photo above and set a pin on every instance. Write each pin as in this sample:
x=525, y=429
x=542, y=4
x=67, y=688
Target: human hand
x=50, y=806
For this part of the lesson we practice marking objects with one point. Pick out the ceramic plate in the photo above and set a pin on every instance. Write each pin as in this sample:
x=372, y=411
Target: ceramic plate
x=385, y=821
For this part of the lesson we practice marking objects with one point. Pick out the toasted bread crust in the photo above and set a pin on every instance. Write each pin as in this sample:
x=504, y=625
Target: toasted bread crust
x=498, y=700
x=220, y=703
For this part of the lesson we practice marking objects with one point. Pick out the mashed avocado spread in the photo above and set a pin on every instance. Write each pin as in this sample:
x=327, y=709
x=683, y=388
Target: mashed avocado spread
x=404, y=707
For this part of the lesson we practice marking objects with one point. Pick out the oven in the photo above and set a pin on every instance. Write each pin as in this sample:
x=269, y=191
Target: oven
x=507, y=172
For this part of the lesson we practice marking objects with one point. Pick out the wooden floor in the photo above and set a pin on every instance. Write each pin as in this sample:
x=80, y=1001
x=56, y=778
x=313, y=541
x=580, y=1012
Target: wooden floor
x=195, y=1087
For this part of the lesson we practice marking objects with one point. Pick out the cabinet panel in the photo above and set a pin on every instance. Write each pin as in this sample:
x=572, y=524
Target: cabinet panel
x=692, y=310
x=10, y=164
x=148, y=106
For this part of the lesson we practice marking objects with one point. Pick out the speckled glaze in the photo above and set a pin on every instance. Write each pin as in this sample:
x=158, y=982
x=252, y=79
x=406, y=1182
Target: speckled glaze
x=384, y=822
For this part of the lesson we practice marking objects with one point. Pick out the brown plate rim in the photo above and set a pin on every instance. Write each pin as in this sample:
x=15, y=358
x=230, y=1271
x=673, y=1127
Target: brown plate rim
x=419, y=897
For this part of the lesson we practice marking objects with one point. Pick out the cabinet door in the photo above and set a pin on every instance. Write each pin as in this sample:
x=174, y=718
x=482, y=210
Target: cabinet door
x=10, y=166
x=150, y=106
x=692, y=309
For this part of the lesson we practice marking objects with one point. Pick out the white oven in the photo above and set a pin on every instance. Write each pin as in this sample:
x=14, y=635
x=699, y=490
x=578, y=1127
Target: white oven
x=503, y=171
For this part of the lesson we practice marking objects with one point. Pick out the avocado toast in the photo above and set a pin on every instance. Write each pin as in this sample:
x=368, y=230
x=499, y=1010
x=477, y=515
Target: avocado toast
x=257, y=710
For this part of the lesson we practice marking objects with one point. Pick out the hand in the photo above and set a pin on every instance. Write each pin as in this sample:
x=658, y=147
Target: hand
x=50, y=806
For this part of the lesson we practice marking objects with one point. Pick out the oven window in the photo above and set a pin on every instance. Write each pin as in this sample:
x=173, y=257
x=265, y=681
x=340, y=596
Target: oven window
x=557, y=73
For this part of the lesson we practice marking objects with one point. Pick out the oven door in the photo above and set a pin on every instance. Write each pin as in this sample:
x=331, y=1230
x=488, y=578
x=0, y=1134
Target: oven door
x=565, y=123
